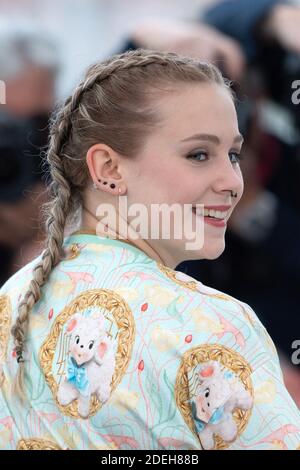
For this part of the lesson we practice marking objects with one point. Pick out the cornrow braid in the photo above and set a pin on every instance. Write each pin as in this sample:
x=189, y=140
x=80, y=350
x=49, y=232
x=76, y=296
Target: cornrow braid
x=110, y=105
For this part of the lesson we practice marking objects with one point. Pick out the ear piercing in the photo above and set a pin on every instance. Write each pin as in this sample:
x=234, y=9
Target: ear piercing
x=112, y=185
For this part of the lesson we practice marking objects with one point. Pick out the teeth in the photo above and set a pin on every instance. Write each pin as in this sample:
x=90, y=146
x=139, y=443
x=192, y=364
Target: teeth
x=211, y=213
x=216, y=214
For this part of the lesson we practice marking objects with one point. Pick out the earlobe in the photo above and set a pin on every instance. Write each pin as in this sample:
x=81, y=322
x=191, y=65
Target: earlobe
x=117, y=190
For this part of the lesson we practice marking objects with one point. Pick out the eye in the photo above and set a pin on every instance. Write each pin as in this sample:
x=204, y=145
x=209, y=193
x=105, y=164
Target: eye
x=194, y=156
x=237, y=157
x=77, y=339
x=91, y=344
x=206, y=393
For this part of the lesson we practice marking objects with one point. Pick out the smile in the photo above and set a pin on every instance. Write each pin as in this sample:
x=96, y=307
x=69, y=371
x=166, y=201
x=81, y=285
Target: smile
x=212, y=217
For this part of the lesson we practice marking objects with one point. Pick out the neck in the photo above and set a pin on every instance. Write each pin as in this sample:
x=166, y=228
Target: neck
x=124, y=232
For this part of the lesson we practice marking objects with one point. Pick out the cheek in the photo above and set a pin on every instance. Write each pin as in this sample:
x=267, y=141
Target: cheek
x=156, y=181
x=182, y=186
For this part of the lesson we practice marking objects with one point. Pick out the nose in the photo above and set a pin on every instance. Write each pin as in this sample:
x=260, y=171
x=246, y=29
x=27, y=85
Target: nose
x=81, y=345
x=228, y=177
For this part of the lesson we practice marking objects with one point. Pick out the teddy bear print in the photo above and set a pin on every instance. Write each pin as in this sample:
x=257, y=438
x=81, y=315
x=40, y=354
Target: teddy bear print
x=90, y=363
x=218, y=392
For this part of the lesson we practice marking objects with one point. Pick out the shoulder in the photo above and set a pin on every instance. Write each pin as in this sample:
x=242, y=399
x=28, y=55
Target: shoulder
x=194, y=297
x=104, y=263
x=200, y=290
x=212, y=309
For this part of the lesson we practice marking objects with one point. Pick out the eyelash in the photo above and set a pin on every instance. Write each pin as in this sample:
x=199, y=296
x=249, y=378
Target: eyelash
x=192, y=155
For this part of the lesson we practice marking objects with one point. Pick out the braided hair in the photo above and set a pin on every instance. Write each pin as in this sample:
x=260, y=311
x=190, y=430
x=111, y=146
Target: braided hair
x=115, y=103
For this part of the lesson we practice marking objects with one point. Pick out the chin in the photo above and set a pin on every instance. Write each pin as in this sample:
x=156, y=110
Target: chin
x=211, y=251
x=203, y=254
x=214, y=252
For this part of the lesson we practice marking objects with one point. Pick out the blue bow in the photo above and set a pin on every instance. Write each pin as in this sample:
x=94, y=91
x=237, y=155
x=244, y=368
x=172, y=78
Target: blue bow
x=214, y=419
x=77, y=375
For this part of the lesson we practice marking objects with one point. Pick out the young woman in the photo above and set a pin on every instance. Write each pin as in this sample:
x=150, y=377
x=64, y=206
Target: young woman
x=111, y=347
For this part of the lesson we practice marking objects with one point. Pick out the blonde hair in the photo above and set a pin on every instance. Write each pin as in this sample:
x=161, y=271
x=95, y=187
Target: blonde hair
x=113, y=104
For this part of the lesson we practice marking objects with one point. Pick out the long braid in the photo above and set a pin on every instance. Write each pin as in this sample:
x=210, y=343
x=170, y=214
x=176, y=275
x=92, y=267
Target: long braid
x=58, y=210
x=62, y=188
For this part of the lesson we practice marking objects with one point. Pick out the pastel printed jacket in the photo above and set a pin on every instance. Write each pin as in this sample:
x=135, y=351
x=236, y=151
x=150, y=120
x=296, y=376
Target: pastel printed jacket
x=125, y=353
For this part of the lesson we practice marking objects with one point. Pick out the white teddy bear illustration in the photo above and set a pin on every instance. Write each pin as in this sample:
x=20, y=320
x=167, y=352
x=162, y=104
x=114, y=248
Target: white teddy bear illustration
x=91, y=363
x=218, y=393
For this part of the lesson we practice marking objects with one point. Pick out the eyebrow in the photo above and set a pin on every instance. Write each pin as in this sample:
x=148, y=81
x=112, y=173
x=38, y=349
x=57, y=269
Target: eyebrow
x=212, y=138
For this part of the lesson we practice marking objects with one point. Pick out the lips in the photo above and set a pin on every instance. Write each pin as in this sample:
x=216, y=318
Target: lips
x=215, y=222
x=217, y=208
x=213, y=215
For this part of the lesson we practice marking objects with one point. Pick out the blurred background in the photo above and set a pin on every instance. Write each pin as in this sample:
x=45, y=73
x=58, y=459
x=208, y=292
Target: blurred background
x=45, y=47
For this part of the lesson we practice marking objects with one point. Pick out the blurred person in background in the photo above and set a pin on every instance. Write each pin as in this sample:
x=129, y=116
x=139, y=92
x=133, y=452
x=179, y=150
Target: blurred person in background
x=29, y=65
x=257, y=44
x=193, y=39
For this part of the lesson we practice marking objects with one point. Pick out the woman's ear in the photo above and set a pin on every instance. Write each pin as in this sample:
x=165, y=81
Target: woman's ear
x=102, y=163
